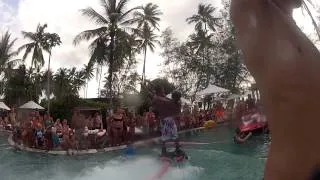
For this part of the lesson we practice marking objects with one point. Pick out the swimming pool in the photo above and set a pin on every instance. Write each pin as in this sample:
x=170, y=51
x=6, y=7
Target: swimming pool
x=221, y=159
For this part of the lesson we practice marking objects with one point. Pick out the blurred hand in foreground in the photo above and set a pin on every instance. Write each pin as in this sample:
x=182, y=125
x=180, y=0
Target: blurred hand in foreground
x=286, y=67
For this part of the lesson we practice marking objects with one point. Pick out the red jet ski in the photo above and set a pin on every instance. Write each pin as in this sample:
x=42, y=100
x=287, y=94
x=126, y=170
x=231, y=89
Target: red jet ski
x=252, y=124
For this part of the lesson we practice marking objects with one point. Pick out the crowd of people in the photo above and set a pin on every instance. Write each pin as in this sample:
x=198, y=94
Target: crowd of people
x=86, y=131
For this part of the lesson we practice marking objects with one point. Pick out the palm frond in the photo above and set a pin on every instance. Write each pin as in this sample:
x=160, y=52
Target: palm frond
x=25, y=46
x=94, y=15
x=29, y=35
x=121, y=5
x=126, y=14
x=89, y=34
x=27, y=52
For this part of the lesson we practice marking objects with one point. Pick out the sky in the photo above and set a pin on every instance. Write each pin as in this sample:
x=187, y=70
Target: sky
x=63, y=17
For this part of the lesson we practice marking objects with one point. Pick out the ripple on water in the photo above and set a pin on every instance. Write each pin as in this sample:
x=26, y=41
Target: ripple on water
x=142, y=168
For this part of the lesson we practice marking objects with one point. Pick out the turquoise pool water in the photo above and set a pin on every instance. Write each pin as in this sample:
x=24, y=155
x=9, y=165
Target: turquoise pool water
x=219, y=160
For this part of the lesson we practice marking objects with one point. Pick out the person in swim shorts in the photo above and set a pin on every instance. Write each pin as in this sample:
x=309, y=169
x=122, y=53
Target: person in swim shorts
x=167, y=110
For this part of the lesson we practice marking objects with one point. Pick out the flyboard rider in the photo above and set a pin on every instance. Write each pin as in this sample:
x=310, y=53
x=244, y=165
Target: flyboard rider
x=167, y=110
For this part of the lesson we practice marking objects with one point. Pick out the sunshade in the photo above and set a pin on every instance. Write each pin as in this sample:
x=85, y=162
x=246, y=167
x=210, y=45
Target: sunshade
x=31, y=105
x=4, y=106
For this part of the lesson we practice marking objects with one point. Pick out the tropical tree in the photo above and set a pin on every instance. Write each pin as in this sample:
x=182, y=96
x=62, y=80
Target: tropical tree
x=21, y=86
x=202, y=40
x=51, y=40
x=148, y=40
x=88, y=75
x=112, y=24
x=147, y=21
x=7, y=53
x=149, y=16
x=146, y=92
x=37, y=45
x=204, y=19
x=7, y=61
x=125, y=80
x=67, y=83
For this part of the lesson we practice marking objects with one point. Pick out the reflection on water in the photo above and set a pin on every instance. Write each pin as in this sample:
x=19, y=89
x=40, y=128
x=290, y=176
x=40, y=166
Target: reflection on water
x=221, y=159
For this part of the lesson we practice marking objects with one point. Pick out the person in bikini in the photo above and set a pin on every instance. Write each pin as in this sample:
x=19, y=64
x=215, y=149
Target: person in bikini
x=286, y=66
x=117, y=126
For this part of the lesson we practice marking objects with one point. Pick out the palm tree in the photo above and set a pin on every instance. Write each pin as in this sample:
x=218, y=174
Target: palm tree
x=88, y=75
x=149, y=15
x=37, y=44
x=204, y=19
x=111, y=24
x=40, y=41
x=6, y=52
x=148, y=40
x=147, y=21
x=6, y=58
x=22, y=86
x=51, y=40
x=67, y=83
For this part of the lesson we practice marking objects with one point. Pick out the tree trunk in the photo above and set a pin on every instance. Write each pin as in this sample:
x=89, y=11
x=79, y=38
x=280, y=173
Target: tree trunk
x=110, y=75
x=111, y=61
x=144, y=65
x=86, y=88
x=48, y=83
x=99, y=93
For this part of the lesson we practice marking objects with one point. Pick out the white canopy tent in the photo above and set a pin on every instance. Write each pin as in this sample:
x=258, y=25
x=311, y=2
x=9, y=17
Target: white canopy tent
x=4, y=106
x=234, y=96
x=183, y=100
x=212, y=89
x=31, y=105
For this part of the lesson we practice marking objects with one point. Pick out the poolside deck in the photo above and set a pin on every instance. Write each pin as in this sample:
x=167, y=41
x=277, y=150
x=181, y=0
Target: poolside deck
x=90, y=151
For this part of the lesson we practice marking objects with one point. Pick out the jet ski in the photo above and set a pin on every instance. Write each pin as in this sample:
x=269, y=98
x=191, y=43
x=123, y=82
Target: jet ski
x=252, y=124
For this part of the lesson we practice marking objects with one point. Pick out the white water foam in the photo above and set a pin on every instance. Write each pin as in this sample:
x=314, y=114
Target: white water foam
x=143, y=168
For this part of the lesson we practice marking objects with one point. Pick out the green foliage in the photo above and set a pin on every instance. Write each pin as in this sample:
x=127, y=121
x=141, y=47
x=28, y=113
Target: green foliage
x=37, y=44
x=7, y=61
x=6, y=52
x=67, y=82
x=147, y=92
x=62, y=108
x=147, y=21
x=124, y=81
x=204, y=19
x=109, y=46
x=206, y=57
x=21, y=86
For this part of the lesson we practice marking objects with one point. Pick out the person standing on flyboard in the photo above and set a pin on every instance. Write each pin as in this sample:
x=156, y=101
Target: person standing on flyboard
x=167, y=110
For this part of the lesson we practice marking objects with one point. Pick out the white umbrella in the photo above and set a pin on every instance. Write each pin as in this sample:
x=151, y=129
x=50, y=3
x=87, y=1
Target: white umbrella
x=4, y=106
x=212, y=89
x=31, y=105
x=183, y=100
